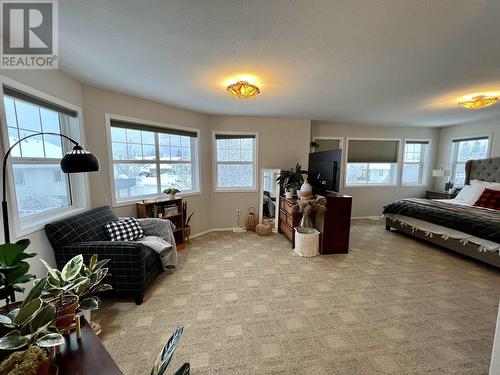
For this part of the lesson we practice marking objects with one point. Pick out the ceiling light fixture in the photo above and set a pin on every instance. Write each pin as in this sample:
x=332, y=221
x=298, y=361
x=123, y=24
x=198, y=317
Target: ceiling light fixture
x=478, y=102
x=243, y=89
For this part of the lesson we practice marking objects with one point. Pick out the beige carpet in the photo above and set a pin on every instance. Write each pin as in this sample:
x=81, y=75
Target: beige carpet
x=250, y=306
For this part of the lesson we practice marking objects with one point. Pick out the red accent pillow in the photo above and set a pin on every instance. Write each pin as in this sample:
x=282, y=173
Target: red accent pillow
x=489, y=199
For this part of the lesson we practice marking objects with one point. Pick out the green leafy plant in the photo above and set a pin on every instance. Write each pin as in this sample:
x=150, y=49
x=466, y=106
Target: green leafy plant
x=94, y=273
x=187, y=219
x=32, y=323
x=14, y=269
x=67, y=281
x=172, y=191
x=291, y=179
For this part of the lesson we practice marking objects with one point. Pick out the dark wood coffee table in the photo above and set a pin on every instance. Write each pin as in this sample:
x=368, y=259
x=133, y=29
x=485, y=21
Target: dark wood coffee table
x=85, y=356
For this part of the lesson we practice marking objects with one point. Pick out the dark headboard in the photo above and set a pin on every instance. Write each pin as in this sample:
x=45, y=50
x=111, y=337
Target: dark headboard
x=483, y=170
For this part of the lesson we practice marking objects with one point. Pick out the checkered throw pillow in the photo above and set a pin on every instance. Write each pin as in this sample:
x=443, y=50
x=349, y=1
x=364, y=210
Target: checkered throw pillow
x=489, y=199
x=124, y=229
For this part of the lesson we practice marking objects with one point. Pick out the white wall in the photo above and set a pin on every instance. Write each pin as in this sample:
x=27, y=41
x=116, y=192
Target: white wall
x=368, y=201
x=65, y=88
x=283, y=142
x=446, y=136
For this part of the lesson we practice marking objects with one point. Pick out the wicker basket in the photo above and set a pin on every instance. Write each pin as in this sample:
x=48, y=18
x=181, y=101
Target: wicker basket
x=263, y=230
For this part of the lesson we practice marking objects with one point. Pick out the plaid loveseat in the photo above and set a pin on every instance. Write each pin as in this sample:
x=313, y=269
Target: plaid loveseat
x=132, y=265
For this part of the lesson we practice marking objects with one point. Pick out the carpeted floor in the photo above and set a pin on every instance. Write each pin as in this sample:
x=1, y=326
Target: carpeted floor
x=250, y=306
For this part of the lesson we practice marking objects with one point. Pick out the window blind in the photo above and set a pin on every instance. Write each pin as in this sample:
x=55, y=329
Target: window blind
x=470, y=139
x=328, y=144
x=37, y=101
x=417, y=142
x=234, y=136
x=154, y=129
x=371, y=151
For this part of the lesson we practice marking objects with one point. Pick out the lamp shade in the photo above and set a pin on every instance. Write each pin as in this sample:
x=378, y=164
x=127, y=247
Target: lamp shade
x=79, y=160
x=441, y=172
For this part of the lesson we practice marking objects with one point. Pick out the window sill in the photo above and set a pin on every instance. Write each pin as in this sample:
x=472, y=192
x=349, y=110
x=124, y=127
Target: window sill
x=39, y=225
x=369, y=186
x=237, y=190
x=413, y=185
x=133, y=201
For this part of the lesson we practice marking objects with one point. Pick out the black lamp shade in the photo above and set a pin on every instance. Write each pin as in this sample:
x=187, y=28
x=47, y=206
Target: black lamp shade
x=79, y=160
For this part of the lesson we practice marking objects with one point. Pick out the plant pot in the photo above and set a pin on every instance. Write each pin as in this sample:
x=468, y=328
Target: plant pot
x=171, y=196
x=288, y=194
x=66, y=312
x=187, y=231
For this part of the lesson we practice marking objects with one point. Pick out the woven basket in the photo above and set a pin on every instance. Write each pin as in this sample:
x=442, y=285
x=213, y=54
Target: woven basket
x=263, y=230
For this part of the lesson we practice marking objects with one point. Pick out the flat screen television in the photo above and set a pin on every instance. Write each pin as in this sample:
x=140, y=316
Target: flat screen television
x=324, y=171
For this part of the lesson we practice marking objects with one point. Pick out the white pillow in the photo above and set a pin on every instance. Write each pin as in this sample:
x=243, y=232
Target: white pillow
x=477, y=188
x=462, y=195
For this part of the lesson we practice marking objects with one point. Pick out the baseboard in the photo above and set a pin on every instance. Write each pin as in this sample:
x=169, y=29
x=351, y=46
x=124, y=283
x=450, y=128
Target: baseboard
x=199, y=234
x=367, y=217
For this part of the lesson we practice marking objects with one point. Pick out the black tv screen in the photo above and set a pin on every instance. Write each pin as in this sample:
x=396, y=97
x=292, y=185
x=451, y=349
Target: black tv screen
x=324, y=170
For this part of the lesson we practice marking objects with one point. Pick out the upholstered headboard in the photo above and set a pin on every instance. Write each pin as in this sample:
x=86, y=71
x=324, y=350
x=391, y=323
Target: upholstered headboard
x=483, y=169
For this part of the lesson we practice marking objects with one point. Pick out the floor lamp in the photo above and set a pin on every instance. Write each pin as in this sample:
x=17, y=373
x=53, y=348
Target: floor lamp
x=75, y=161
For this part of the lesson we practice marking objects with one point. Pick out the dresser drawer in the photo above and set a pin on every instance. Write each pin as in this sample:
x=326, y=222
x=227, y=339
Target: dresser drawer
x=286, y=230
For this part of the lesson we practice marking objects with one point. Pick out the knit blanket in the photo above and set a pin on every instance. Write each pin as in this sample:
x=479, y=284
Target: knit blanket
x=159, y=236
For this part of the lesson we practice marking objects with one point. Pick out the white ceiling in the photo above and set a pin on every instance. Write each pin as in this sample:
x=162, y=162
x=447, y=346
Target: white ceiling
x=388, y=62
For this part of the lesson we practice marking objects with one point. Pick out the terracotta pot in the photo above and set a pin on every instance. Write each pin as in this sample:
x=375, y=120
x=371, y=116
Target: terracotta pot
x=66, y=312
x=187, y=231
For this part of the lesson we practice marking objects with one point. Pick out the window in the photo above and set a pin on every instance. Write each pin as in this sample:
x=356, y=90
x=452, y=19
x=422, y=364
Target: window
x=371, y=162
x=415, y=162
x=149, y=159
x=235, y=161
x=39, y=196
x=466, y=149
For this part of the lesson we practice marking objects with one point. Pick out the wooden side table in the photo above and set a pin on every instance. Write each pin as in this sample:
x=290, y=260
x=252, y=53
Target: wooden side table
x=439, y=194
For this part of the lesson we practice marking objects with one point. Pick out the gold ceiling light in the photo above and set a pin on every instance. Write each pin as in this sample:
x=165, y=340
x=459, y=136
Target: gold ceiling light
x=478, y=102
x=243, y=89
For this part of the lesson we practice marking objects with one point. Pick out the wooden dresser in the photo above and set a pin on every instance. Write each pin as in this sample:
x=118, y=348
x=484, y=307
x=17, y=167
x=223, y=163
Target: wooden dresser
x=335, y=230
x=287, y=220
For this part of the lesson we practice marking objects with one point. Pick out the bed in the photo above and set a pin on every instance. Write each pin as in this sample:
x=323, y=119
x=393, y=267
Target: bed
x=454, y=224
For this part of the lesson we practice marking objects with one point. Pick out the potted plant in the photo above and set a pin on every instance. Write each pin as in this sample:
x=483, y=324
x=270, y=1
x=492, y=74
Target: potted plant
x=32, y=323
x=187, y=220
x=291, y=180
x=314, y=146
x=94, y=273
x=61, y=287
x=13, y=270
x=171, y=192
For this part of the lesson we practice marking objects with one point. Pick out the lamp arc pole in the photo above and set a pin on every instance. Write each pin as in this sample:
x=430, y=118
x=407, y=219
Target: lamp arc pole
x=77, y=150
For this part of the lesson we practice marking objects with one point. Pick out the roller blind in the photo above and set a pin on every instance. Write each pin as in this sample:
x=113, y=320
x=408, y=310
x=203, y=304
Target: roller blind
x=37, y=101
x=234, y=136
x=417, y=142
x=368, y=151
x=470, y=139
x=154, y=129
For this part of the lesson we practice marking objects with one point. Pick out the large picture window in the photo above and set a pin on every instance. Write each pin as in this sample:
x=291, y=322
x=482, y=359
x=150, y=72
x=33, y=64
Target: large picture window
x=41, y=190
x=148, y=159
x=415, y=162
x=235, y=161
x=371, y=162
x=467, y=149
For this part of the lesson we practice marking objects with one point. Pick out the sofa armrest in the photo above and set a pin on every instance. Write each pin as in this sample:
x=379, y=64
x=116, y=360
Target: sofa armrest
x=127, y=265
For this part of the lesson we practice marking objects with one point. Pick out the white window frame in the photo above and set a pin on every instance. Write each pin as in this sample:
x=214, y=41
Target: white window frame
x=423, y=164
x=397, y=167
x=79, y=187
x=195, y=159
x=255, y=163
x=454, y=152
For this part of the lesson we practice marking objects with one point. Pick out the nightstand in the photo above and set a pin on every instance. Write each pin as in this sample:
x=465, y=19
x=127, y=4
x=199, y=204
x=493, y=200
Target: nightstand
x=438, y=194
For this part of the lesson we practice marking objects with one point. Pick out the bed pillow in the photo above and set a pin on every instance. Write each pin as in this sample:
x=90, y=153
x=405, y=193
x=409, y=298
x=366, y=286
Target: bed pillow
x=127, y=229
x=464, y=192
x=489, y=199
x=477, y=188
